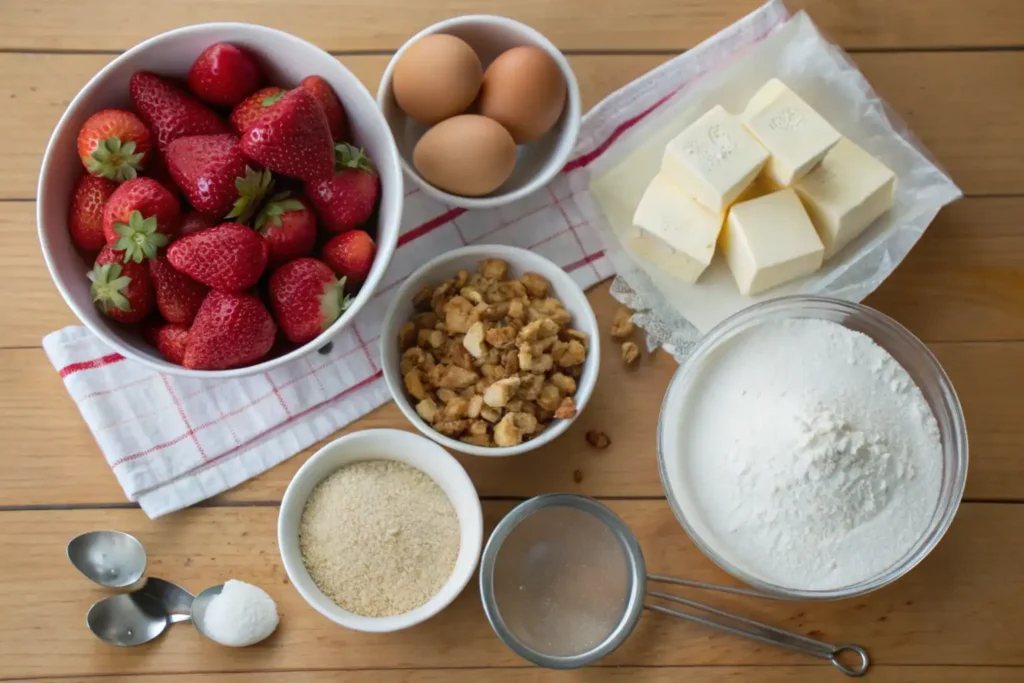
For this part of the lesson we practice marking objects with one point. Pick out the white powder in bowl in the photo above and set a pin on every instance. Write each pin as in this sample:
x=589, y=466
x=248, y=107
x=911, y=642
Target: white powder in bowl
x=807, y=455
x=240, y=615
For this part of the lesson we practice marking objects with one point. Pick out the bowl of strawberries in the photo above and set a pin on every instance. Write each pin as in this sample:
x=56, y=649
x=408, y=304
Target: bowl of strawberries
x=219, y=200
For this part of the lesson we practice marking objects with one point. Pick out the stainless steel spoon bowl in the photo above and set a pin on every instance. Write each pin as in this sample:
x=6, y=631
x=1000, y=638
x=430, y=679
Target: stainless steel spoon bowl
x=127, y=619
x=199, y=606
x=110, y=558
x=176, y=601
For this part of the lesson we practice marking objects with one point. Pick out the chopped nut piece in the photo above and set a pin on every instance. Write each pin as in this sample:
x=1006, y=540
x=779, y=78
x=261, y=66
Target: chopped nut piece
x=514, y=406
x=414, y=384
x=543, y=417
x=566, y=409
x=457, y=378
x=422, y=299
x=413, y=358
x=558, y=350
x=492, y=372
x=543, y=345
x=457, y=313
x=517, y=309
x=622, y=323
x=452, y=427
x=428, y=320
x=490, y=414
x=472, y=294
x=479, y=427
x=575, y=354
x=531, y=332
x=543, y=363
x=581, y=337
x=630, y=352
x=506, y=433
x=536, y=286
x=427, y=409
x=477, y=439
x=407, y=336
x=431, y=339
x=446, y=395
x=501, y=392
x=461, y=278
x=439, y=296
x=565, y=384
x=505, y=291
x=550, y=397
x=526, y=422
x=456, y=408
x=529, y=407
x=460, y=357
x=493, y=268
x=548, y=328
x=474, y=340
x=493, y=356
x=510, y=362
x=530, y=386
x=598, y=439
x=501, y=337
x=474, y=406
x=495, y=312
x=525, y=358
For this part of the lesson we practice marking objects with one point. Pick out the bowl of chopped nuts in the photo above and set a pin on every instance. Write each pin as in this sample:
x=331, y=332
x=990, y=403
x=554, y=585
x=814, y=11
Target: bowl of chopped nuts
x=490, y=350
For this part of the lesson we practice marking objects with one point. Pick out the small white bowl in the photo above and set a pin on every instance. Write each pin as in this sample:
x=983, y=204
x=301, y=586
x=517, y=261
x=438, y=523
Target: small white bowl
x=520, y=261
x=382, y=444
x=537, y=162
x=287, y=60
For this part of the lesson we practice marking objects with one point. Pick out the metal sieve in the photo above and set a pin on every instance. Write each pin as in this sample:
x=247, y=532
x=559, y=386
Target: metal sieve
x=563, y=583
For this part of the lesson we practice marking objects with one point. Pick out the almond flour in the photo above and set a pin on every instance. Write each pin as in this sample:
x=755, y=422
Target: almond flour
x=379, y=538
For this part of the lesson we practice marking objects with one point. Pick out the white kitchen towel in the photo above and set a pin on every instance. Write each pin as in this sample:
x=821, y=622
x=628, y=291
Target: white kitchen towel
x=172, y=442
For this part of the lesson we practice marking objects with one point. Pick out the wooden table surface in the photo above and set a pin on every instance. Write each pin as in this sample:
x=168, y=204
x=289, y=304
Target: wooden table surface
x=954, y=69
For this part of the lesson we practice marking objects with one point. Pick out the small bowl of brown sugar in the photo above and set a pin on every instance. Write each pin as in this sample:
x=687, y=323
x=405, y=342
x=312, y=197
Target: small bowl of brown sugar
x=380, y=530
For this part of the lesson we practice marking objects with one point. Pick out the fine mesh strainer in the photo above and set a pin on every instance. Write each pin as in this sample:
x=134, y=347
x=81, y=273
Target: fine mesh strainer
x=563, y=583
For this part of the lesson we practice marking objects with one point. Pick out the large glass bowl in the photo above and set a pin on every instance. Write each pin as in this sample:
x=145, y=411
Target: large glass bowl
x=908, y=351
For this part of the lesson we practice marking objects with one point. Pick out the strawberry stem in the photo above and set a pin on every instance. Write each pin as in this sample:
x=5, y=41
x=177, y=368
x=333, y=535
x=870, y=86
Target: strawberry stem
x=278, y=205
x=138, y=238
x=116, y=161
x=349, y=156
x=107, y=287
x=252, y=188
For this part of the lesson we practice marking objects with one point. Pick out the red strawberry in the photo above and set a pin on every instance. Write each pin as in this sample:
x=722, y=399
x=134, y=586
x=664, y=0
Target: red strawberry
x=114, y=144
x=289, y=227
x=170, y=111
x=122, y=291
x=346, y=199
x=211, y=171
x=223, y=75
x=85, y=219
x=337, y=119
x=292, y=138
x=252, y=107
x=350, y=255
x=229, y=257
x=306, y=298
x=172, y=341
x=140, y=217
x=178, y=296
x=197, y=222
x=231, y=330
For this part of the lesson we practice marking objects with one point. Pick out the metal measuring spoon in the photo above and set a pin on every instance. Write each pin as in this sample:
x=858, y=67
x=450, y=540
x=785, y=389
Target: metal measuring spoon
x=200, y=605
x=112, y=559
x=176, y=601
x=127, y=619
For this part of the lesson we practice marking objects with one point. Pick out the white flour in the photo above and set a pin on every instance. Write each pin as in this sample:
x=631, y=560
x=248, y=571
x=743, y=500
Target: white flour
x=808, y=455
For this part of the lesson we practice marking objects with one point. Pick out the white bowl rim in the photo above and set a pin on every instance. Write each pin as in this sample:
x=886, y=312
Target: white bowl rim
x=451, y=589
x=392, y=374
x=573, y=114
x=365, y=293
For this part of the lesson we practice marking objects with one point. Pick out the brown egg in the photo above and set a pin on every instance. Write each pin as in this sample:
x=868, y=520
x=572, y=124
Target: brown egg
x=523, y=90
x=437, y=77
x=468, y=155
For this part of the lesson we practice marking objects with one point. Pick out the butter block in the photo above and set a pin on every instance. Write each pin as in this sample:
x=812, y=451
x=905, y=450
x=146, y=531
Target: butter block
x=714, y=159
x=795, y=135
x=681, y=223
x=770, y=241
x=845, y=193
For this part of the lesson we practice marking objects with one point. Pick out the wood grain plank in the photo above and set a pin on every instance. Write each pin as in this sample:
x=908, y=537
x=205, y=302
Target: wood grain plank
x=691, y=674
x=948, y=99
x=55, y=461
x=964, y=281
x=573, y=24
x=972, y=578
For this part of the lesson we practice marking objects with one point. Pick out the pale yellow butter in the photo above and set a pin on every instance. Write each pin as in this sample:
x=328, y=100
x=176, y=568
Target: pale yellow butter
x=770, y=241
x=845, y=193
x=690, y=229
x=714, y=159
x=795, y=135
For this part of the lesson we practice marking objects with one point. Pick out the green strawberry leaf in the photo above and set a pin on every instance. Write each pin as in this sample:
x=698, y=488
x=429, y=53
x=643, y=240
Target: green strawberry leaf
x=271, y=100
x=349, y=156
x=252, y=188
x=116, y=161
x=333, y=302
x=108, y=286
x=138, y=238
x=278, y=205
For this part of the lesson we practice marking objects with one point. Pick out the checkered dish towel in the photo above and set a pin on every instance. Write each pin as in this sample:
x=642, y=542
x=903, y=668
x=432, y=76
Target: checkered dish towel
x=173, y=441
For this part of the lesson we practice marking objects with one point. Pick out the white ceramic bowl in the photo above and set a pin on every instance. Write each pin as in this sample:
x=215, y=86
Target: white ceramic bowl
x=287, y=61
x=382, y=444
x=536, y=163
x=520, y=261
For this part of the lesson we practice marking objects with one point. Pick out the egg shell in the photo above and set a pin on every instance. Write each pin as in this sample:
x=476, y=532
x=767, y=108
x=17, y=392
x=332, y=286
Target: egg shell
x=524, y=90
x=438, y=76
x=467, y=155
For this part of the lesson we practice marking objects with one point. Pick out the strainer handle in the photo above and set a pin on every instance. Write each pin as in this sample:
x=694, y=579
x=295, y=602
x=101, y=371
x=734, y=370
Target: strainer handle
x=764, y=633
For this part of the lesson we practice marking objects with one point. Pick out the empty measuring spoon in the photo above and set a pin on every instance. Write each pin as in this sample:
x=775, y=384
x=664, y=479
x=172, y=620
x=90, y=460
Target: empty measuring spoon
x=112, y=559
x=176, y=601
x=127, y=619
